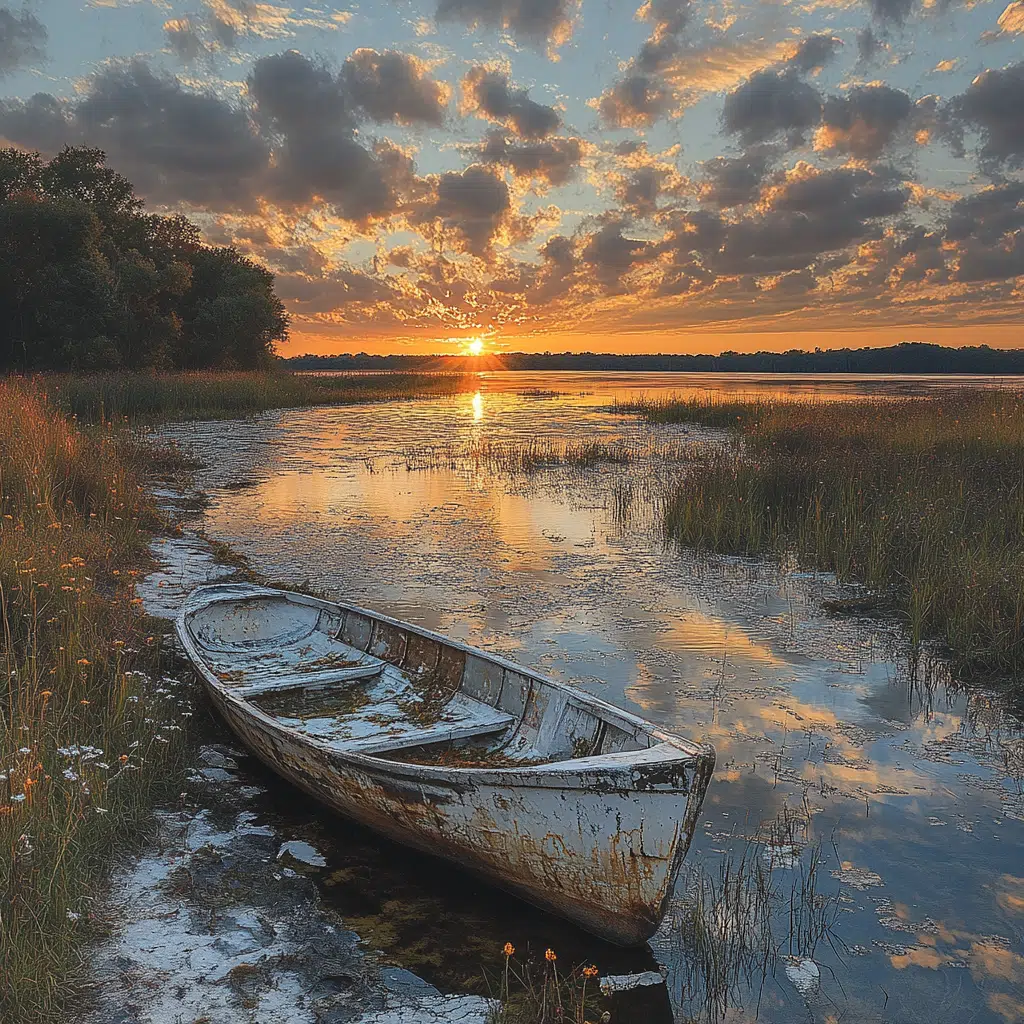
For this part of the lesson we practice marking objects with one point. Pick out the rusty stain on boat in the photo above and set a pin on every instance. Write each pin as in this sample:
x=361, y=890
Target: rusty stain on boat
x=588, y=810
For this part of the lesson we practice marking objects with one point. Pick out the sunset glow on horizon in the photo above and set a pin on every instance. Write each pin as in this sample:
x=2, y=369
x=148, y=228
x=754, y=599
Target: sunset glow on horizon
x=485, y=176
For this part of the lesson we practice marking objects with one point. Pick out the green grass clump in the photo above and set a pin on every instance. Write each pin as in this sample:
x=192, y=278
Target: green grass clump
x=921, y=499
x=151, y=397
x=85, y=739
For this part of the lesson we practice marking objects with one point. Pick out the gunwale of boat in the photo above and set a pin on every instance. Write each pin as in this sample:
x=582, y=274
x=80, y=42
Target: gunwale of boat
x=559, y=771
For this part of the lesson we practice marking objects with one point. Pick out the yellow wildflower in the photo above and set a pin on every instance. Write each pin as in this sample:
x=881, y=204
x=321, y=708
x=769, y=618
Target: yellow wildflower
x=509, y=949
x=590, y=972
x=550, y=955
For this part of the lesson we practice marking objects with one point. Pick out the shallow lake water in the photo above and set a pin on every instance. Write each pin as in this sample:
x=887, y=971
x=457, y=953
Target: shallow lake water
x=830, y=744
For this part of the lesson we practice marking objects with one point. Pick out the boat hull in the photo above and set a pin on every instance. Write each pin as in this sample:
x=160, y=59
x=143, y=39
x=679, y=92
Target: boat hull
x=600, y=847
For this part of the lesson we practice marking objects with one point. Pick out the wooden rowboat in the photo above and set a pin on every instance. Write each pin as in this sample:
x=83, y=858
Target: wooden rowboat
x=543, y=789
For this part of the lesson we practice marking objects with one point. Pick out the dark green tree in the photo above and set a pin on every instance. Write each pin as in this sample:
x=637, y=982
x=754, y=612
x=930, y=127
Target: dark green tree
x=90, y=281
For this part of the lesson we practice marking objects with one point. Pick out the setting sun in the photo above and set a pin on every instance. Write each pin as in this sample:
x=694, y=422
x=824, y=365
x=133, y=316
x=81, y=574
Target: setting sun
x=475, y=347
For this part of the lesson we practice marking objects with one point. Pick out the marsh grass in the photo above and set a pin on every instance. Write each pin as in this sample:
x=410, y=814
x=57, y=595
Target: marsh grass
x=534, y=455
x=740, y=920
x=85, y=738
x=919, y=499
x=150, y=398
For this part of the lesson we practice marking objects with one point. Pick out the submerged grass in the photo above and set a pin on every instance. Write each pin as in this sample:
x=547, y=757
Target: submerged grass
x=85, y=738
x=146, y=397
x=920, y=499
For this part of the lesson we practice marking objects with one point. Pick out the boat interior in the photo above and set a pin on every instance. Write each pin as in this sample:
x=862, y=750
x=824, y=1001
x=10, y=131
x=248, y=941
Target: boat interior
x=368, y=685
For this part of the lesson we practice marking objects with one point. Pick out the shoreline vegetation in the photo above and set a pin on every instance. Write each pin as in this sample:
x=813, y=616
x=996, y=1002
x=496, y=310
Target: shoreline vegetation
x=921, y=500
x=88, y=736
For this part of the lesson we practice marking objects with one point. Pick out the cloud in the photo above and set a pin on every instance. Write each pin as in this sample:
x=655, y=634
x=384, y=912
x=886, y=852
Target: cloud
x=176, y=145
x=22, y=40
x=987, y=215
x=993, y=105
x=734, y=181
x=635, y=101
x=319, y=157
x=815, y=52
x=535, y=21
x=473, y=203
x=393, y=86
x=553, y=161
x=1011, y=21
x=184, y=39
x=489, y=93
x=864, y=120
x=611, y=254
x=891, y=12
x=771, y=103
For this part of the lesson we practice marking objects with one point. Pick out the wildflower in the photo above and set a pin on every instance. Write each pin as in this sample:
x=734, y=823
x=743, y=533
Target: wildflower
x=46, y=694
x=509, y=949
x=590, y=972
x=83, y=701
x=84, y=661
x=550, y=955
x=123, y=759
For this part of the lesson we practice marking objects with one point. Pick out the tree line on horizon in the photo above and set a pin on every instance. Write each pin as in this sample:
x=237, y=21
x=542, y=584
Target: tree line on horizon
x=909, y=357
x=89, y=281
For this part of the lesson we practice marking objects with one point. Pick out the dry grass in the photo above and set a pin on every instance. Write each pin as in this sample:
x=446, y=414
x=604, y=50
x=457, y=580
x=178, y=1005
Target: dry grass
x=541, y=992
x=85, y=738
x=151, y=397
x=922, y=500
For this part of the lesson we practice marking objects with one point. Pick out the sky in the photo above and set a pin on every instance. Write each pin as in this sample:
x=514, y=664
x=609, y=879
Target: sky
x=534, y=175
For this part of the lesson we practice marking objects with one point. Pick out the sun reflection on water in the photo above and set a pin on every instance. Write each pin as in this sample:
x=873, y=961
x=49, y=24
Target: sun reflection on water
x=478, y=406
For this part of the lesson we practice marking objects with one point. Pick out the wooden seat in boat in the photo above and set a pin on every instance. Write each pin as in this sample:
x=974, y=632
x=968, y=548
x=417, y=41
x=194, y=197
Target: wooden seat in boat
x=314, y=662
x=462, y=718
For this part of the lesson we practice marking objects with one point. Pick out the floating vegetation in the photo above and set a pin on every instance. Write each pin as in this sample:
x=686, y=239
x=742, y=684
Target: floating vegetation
x=920, y=499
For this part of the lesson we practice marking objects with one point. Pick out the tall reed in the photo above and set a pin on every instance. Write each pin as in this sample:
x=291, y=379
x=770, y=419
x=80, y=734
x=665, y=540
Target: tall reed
x=84, y=737
x=921, y=499
x=148, y=397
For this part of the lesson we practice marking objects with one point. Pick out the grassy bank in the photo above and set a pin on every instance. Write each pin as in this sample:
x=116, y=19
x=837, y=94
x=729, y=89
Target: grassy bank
x=920, y=499
x=145, y=397
x=85, y=739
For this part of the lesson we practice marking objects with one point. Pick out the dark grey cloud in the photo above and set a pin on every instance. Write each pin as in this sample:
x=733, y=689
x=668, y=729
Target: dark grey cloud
x=611, y=254
x=536, y=21
x=474, y=203
x=22, y=40
x=815, y=52
x=491, y=94
x=993, y=105
x=864, y=120
x=891, y=12
x=641, y=95
x=797, y=282
x=635, y=101
x=553, y=161
x=293, y=141
x=184, y=39
x=852, y=194
x=771, y=103
x=176, y=145
x=393, y=86
x=868, y=44
x=318, y=157
x=734, y=181
x=987, y=215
